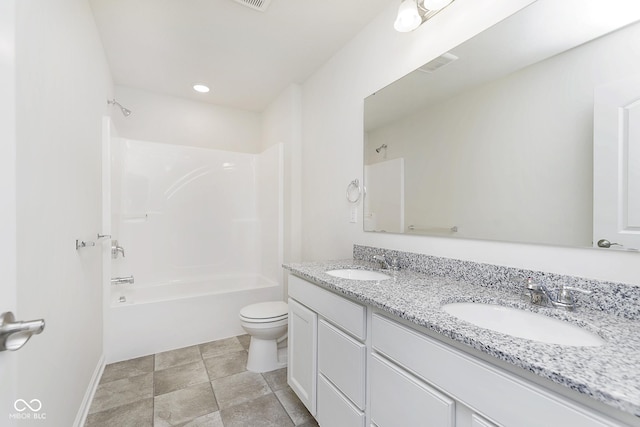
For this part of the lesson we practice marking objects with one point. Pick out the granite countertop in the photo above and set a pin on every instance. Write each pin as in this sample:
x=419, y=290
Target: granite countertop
x=609, y=373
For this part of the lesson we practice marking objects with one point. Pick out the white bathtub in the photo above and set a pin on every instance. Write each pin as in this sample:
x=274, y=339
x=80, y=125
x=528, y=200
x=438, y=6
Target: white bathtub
x=164, y=317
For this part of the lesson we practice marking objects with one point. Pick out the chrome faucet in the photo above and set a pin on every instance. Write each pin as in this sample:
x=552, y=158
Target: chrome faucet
x=385, y=265
x=540, y=295
x=115, y=249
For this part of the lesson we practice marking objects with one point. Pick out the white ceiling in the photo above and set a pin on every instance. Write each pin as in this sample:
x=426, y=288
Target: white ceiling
x=247, y=57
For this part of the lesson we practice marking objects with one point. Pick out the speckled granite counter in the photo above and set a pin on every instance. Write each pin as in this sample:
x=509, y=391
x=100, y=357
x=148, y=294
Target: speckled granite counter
x=609, y=373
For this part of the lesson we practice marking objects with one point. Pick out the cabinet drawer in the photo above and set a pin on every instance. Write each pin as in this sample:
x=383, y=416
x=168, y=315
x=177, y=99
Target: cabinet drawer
x=466, y=378
x=341, y=359
x=334, y=410
x=347, y=314
x=478, y=421
x=399, y=399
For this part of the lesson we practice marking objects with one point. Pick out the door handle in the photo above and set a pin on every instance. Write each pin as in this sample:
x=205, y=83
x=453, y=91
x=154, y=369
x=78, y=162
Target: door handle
x=13, y=335
x=604, y=243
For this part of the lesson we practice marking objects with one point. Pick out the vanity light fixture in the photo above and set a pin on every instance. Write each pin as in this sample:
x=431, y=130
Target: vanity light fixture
x=412, y=13
x=435, y=4
x=201, y=88
x=408, y=18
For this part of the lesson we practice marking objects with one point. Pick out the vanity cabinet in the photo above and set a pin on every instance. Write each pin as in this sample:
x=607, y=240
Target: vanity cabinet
x=496, y=396
x=332, y=376
x=353, y=365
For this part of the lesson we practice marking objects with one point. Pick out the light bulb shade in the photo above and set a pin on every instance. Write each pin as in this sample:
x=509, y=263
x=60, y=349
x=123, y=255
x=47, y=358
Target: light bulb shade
x=435, y=4
x=408, y=17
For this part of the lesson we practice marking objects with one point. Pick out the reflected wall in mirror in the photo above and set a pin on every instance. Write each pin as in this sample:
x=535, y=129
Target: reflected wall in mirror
x=497, y=143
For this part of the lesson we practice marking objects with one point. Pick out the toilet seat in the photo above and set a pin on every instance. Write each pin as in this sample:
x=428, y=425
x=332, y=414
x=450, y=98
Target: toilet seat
x=265, y=312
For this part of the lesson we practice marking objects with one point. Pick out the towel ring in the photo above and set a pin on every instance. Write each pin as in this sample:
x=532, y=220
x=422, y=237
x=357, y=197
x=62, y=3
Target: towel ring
x=353, y=191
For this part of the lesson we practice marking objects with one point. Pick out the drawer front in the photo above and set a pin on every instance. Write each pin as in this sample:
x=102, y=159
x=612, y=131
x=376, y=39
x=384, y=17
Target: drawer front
x=334, y=410
x=464, y=378
x=399, y=399
x=341, y=359
x=478, y=421
x=347, y=314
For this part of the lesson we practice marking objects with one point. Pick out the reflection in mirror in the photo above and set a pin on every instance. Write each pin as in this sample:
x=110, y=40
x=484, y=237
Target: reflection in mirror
x=494, y=140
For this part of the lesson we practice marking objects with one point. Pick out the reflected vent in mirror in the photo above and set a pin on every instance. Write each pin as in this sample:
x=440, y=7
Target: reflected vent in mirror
x=438, y=63
x=260, y=5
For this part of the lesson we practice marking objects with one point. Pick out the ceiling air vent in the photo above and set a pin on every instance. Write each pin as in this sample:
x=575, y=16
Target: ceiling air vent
x=260, y=5
x=437, y=63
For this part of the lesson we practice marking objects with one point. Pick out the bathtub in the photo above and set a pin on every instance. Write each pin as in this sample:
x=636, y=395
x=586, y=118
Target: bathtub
x=146, y=319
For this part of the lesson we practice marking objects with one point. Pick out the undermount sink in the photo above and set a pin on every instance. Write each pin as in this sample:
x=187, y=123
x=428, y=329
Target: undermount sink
x=523, y=324
x=354, y=274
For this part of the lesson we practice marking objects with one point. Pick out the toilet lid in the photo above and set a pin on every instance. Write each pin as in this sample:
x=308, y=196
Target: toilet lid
x=265, y=310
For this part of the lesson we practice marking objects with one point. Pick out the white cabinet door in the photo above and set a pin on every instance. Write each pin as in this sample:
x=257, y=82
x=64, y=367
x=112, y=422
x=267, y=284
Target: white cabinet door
x=302, y=357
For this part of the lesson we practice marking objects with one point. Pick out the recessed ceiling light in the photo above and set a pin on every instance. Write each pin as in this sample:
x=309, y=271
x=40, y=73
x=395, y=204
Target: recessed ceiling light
x=201, y=88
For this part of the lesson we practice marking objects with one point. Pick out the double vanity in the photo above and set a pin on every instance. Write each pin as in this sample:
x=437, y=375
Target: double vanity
x=383, y=348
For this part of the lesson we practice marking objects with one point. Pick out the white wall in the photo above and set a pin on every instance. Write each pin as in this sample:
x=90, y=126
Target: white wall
x=269, y=194
x=332, y=147
x=62, y=83
x=281, y=123
x=8, y=359
x=172, y=120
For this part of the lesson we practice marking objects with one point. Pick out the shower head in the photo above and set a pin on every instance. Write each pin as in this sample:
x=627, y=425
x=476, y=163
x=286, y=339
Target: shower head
x=383, y=146
x=125, y=111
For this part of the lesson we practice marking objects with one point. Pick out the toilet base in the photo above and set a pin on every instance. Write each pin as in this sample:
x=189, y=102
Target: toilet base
x=263, y=356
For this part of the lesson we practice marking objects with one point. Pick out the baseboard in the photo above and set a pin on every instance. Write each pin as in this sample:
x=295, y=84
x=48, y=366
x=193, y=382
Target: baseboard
x=81, y=417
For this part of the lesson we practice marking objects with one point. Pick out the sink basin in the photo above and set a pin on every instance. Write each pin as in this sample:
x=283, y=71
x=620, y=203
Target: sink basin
x=523, y=324
x=354, y=274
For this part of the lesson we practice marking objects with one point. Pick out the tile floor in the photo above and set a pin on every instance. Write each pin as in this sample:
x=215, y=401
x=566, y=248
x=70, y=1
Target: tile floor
x=205, y=385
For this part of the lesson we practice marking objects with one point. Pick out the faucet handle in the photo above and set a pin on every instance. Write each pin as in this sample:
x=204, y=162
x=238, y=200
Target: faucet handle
x=565, y=296
x=531, y=285
x=571, y=288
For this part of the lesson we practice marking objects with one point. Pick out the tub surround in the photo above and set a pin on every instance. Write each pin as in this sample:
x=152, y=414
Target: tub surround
x=416, y=293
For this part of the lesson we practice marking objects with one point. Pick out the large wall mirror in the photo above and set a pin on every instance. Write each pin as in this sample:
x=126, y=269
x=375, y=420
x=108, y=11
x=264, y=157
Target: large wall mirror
x=495, y=139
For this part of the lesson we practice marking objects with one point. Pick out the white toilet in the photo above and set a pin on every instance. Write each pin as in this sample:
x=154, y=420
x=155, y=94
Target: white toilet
x=266, y=322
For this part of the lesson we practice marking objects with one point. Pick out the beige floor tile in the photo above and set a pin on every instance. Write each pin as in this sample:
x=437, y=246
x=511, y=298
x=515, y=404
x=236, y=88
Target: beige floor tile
x=265, y=411
x=136, y=414
x=210, y=420
x=120, y=392
x=226, y=364
x=294, y=407
x=244, y=340
x=277, y=379
x=239, y=388
x=127, y=368
x=181, y=356
x=177, y=377
x=181, y=406
x=216, y=348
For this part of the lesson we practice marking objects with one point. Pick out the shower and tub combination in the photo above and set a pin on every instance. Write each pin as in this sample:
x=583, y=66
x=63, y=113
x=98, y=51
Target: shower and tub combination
x=202, y=233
